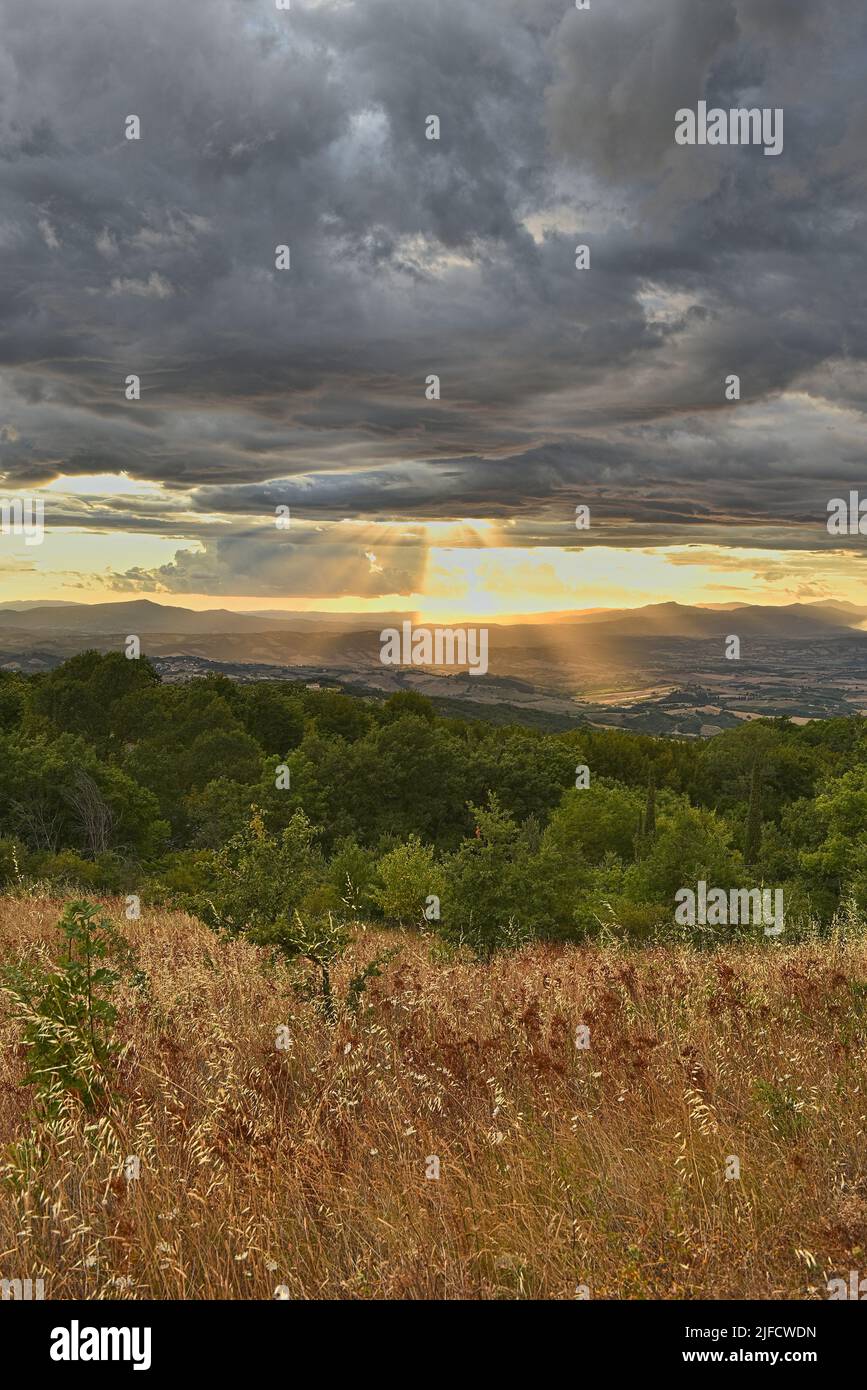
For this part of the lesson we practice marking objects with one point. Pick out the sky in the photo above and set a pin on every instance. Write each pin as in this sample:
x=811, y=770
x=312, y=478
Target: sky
x=308, y=388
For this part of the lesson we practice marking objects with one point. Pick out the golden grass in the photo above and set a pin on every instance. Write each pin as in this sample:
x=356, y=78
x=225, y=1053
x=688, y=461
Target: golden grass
x=306, y=1168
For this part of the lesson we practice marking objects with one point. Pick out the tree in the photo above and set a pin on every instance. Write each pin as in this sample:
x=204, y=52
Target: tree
x=93, y=812
x=351, y=874
x=592, y=822
x=415, y=777
x=407, y=702
x=648, y=826
x=407, y=876
x=337, y=713
x=528, y=772
x=831, y=835
x=689, y=845
x=13, y=698
x=753, y=834
x=80, y=696
x=58, y=792
x=275, y=721
x=218, y=811
x=262, y=888
x=494, y=893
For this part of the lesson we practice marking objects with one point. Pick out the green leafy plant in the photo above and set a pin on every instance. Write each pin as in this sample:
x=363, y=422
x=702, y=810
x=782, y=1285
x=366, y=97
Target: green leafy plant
x=407, y=875
x=269, y=891
x=493, y=886
x=66, y=1007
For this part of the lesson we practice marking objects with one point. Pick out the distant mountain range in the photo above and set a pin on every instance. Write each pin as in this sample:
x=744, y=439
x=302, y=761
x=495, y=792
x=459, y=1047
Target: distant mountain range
x=143, y=615
x=660, y=669
x=796, y=620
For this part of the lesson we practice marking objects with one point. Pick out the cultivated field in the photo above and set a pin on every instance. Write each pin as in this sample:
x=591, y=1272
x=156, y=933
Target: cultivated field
x=305, y=1168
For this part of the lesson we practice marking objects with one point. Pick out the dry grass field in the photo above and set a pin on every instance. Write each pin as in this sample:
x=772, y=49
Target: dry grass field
x=305, y=1168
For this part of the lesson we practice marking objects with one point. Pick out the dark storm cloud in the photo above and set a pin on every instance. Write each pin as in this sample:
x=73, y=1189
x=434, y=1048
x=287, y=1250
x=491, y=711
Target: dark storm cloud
x=454, y=258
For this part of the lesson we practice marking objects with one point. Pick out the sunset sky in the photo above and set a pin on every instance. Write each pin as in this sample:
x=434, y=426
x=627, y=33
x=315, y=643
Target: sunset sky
x=410, y=258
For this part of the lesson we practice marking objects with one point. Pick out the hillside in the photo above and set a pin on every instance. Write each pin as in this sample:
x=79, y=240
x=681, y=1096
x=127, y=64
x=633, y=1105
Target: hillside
x=305, y=1168
x=658, y=669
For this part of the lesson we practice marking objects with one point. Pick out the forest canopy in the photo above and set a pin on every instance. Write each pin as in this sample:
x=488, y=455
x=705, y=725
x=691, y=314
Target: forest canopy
x=115, y=781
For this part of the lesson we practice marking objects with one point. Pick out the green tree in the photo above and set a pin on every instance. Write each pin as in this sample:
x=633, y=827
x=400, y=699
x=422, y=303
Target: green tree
x=594, y=821
x=80, y=696
x=57, y=792
x=690, y=844
x=407, y=702
x=274, y=720
x=337, y=714
x=263, y=888
x=648, y=825
x=406, y=877
x=493, y=892
x=352, y=875
x=13, y=699
x=753, y=833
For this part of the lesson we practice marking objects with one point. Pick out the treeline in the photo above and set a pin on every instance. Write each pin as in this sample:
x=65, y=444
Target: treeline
x=114, y=781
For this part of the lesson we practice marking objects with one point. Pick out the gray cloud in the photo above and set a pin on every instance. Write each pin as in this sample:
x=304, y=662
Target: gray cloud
x=412, y=257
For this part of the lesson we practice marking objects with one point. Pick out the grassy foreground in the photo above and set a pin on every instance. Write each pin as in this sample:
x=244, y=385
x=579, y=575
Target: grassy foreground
x=305, y=1168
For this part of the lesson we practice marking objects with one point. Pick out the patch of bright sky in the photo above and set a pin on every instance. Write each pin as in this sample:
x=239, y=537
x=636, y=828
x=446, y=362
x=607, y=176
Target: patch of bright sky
x=70, y=564
x=556, y=219
x=103, y=485
x=464, y=577
x=661, y=305
x=494, y=581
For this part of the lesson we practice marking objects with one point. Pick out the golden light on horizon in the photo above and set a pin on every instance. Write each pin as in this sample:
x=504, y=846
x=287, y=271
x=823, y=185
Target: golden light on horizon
x=500, y=580
x=451, y=568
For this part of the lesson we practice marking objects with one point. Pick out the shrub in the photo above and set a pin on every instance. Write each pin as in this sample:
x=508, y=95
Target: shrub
x=270, y=890
x=66, y=869
x=494, y=896
x=178, y=877
x=351, y=876
x=66, y=1008
x=407, y=876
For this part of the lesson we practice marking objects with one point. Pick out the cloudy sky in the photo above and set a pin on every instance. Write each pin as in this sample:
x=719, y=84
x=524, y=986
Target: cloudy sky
x=411, y=258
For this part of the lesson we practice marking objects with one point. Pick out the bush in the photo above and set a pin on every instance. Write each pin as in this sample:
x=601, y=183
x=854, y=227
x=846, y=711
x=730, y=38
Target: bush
x=270, y=890
x=65, y=869
x=66, y=1008
x=494, y=896
x=407, y=876
x=178, y=877
x=351, y=876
